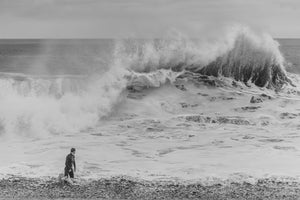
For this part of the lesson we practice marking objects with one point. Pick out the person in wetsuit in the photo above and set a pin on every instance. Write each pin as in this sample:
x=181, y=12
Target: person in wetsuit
x=70, y=167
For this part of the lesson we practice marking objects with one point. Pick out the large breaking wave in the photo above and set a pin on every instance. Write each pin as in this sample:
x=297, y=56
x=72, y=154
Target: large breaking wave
x=240, y=54
x=252, y=58
x=40, y=105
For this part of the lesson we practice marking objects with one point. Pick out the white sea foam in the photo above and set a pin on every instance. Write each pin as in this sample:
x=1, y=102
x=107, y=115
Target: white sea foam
x=41, y=105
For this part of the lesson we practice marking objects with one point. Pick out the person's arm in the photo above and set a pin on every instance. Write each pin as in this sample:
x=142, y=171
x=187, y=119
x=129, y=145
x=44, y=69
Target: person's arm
x=74, y=165
x=66, y=163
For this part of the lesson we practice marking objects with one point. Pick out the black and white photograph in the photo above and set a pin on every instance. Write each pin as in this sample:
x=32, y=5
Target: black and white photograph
x=150, y=99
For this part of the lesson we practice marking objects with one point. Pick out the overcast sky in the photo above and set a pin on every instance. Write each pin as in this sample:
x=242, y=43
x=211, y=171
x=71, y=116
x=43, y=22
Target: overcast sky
x=142, y=18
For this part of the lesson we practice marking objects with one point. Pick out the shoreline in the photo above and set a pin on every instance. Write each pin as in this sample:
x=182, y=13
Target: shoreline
x=123, y=187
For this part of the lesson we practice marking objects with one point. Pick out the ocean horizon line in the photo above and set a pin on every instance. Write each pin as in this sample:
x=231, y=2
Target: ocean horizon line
x=106, y=38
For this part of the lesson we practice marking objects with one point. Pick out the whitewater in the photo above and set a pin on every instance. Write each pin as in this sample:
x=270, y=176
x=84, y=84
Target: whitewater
x=163, y=109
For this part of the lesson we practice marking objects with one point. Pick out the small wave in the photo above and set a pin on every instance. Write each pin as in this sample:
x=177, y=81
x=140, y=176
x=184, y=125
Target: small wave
x=139, y=81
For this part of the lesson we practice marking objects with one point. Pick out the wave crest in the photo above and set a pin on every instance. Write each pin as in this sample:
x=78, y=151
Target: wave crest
x=240, y=53
x=252, y=58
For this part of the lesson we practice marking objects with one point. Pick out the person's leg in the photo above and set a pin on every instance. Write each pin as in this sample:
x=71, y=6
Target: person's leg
x=71, y=173
x=66, y=172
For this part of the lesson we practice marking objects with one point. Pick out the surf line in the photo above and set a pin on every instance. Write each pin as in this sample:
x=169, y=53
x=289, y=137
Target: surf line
x=258, y=93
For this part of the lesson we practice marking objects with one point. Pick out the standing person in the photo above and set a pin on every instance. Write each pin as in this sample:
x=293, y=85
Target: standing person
x=70, y=164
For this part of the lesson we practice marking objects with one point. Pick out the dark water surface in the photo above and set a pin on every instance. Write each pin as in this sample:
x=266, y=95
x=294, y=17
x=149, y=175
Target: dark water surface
x=84, y=56
x=290, y=49
x=54, y=56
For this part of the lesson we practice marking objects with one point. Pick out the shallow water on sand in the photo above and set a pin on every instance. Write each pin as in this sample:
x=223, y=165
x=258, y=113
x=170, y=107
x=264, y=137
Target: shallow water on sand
x=203, y=132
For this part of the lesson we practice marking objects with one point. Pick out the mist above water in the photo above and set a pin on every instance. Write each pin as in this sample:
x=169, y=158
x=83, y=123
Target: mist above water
x=67, y=86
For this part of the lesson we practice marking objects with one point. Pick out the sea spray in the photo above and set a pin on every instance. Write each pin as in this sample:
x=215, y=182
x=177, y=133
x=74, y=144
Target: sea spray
x=254, y=58
x=41, y=105
x=240, y=53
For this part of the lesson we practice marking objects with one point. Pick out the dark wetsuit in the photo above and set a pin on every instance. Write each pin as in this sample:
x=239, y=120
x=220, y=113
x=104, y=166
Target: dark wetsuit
x=70, y=161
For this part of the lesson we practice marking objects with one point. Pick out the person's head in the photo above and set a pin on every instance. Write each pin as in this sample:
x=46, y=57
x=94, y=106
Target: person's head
x=73, y=151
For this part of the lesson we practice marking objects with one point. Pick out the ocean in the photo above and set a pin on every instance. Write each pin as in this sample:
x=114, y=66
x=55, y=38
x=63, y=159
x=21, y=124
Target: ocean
x=54, y=57
x=84, y=56
x=160, y=109
x=290, y=49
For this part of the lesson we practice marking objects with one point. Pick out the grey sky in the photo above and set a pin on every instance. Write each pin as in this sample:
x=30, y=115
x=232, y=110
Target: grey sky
x=142, y=18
